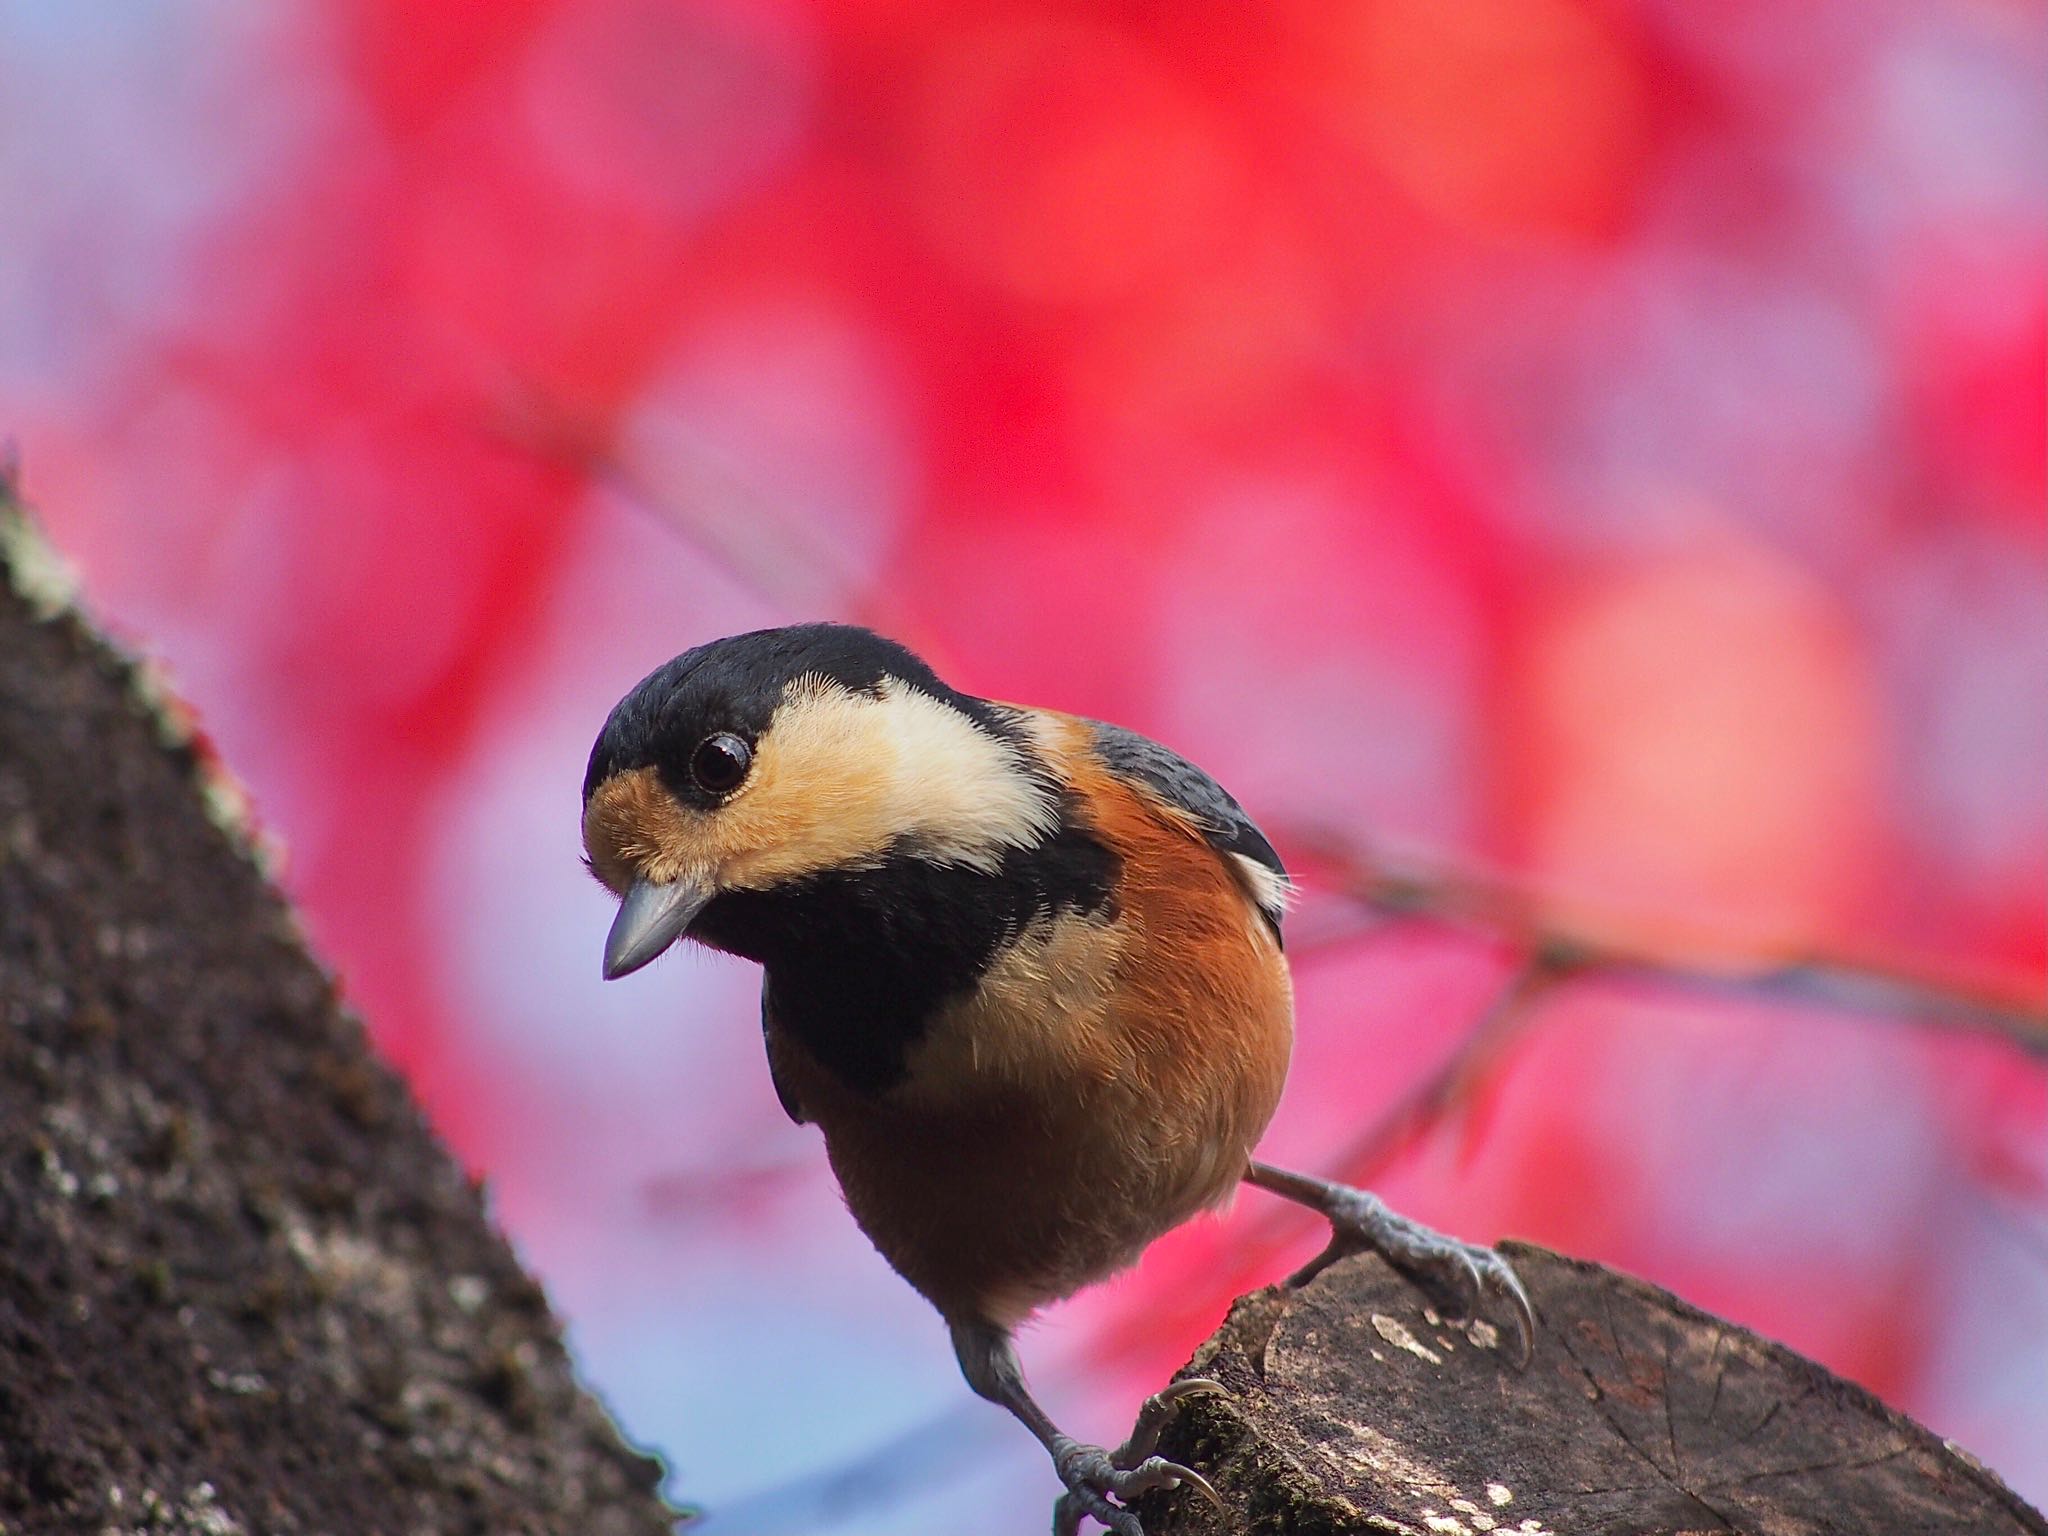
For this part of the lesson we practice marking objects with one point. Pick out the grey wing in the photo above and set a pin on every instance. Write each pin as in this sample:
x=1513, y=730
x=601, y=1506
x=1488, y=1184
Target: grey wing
x=783, y=1092
x=1223, y=822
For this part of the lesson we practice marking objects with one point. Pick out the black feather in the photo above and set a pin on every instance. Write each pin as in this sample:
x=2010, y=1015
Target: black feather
x=859, y=960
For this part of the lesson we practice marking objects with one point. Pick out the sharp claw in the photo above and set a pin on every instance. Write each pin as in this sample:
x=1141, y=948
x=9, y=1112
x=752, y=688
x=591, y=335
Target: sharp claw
x=1475, y=1279
x=1152, y=1417
x=1497, y=1274
x=1156, y=1472
x=1525, y=1311
x=1190, y=1478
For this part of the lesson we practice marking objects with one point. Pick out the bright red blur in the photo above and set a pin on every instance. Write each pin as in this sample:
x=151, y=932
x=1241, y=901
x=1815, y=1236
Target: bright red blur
x=1598, y=439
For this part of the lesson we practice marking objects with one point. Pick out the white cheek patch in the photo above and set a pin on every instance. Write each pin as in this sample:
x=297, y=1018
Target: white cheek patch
x=961, y=791
x=839, y=777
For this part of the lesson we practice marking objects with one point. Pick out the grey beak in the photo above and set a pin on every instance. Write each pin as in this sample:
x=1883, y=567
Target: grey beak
x=651, y=918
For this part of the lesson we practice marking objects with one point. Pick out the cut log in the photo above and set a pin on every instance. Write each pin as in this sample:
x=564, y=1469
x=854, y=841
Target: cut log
x=1351, y=1407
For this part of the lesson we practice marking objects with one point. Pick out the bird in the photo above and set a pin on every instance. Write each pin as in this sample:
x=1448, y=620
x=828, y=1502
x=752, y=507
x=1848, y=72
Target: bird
x=1024, y=970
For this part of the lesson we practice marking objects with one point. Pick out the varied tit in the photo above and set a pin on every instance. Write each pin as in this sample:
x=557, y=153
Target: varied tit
x=1023, y=970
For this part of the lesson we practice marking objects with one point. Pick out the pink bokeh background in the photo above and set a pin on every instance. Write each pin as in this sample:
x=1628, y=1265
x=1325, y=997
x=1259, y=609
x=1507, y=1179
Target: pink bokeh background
x=1598, y=440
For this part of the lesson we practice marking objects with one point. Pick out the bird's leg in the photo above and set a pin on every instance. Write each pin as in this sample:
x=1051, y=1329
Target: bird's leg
x=1456, y=1275
x=988, y=1359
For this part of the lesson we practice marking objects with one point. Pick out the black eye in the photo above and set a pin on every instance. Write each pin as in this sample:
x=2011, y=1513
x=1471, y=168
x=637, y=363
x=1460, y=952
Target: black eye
x=720, y=762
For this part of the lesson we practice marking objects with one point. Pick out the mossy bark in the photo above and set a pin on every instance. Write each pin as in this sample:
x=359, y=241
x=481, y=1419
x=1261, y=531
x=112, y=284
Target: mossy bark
x=242, y=1289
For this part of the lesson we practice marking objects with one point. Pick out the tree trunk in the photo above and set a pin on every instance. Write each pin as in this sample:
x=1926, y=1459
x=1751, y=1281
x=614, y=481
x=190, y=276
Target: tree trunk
x=242, y=1289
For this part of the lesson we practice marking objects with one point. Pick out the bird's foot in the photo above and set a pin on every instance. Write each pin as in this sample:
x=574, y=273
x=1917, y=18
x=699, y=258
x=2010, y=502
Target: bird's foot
x=1457, y=1276
x=1094, y=1477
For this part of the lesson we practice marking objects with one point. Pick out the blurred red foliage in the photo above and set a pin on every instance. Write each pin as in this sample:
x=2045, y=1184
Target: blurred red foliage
x=1599, y=438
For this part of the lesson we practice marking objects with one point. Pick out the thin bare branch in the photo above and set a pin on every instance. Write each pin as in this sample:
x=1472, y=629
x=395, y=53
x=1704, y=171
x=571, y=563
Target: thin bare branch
x=1409, y=1118
x=764, y=546
x=1502, y=909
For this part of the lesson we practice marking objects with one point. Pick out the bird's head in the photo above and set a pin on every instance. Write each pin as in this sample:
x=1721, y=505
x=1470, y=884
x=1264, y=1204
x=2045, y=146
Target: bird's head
x=769, y=759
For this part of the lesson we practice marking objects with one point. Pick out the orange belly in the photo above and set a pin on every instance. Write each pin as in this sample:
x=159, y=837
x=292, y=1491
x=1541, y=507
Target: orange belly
x=1107, y=1081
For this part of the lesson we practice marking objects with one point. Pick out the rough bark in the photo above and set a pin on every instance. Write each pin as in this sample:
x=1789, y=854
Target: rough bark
x=241, y=1287
x=1353, y=1408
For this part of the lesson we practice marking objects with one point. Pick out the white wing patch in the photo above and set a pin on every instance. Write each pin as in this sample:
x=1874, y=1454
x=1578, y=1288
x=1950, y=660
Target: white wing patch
x=1273, y=891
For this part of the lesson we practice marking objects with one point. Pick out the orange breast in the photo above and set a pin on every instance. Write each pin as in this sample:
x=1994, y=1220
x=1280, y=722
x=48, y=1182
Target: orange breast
x=1108, y=1081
